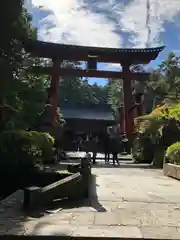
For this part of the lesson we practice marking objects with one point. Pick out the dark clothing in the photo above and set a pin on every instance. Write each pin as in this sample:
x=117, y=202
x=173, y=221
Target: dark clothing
x=95, y=144
x=115, y=158
x=125, y=145
x=106, y=143
x=114, y=144
x=107, y=156
x=107, y=149
x=94, y=157
x=87, y=145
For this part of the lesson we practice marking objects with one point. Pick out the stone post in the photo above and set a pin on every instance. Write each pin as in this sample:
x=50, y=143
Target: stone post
x=86, y=173
x=31, y=198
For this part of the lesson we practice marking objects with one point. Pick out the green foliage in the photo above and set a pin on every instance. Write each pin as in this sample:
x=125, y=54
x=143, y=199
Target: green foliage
x=19, y=89
x=156, y=120
x=162, y=126
x=60, y=118
x=173, y=153
x=115, y=93
x=23, y=150
x=137, y=151
x=172, y=112
x=78, y=92
x=174, y=148
x=164, y=83
x=142, y=149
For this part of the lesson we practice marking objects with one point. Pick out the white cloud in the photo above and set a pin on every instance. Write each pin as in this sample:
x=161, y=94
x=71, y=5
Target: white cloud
x=110, y=67
x=74, y=22
x=135, y=17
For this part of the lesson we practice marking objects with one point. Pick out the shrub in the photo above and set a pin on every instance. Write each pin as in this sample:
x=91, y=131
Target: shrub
x=22, y=151
x=137, y=152
x=173, y=153
x=142, y=151
x=162, y=125
x=153, y=122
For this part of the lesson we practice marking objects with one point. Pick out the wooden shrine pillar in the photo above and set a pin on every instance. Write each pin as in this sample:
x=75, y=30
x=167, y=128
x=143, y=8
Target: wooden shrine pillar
x=128, y=100
x=53, y=93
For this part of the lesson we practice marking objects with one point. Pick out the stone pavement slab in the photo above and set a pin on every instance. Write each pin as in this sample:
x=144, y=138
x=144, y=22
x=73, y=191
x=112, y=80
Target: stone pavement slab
x=107, y=219
x=99, y=231
x=82, y=219
x=53, y=230
x=160, y=233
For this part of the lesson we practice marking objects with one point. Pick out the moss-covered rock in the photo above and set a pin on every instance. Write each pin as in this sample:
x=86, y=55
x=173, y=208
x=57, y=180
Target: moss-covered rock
x=173, y=154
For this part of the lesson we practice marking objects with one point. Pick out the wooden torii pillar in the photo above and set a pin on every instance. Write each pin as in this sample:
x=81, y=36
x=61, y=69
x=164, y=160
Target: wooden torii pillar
x=121, y=120
x=128, y=99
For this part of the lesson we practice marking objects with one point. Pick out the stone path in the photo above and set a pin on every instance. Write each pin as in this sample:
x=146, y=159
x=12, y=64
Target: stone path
x=99, y=155
x=129, y=201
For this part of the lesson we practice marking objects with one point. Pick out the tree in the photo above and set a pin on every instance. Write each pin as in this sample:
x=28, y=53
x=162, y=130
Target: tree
x=115, y=93
x=78, y=92
x=165, y=80
x=20, y=90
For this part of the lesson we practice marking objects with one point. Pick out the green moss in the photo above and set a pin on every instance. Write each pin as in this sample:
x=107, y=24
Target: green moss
x=173, y=153
x=174, y=148
x=63, y=172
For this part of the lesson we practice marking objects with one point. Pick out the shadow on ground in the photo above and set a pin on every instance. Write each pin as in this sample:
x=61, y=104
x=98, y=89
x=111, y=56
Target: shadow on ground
x=56, y=206
x=94, y=202
x=124, y=165
x=11, y=215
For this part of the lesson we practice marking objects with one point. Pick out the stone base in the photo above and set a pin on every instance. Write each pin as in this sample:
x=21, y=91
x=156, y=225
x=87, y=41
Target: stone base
x=172, y=170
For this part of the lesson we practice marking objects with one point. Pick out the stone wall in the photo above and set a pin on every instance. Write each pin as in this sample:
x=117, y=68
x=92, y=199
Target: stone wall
x=171, y=170
x=75, y=187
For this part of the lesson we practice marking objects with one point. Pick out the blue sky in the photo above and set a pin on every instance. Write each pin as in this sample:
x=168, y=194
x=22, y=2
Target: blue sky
x=109, y=23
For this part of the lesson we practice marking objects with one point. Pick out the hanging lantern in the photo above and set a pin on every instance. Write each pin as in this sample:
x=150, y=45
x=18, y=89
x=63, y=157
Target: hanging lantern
x=92, y=63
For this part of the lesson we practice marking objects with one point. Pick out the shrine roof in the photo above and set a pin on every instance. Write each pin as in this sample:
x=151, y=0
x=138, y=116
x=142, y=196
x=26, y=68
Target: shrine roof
x=82, y=53
x=87, y=114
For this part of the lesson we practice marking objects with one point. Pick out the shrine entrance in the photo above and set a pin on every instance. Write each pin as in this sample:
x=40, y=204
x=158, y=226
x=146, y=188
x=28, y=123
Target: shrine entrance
x=92, y=55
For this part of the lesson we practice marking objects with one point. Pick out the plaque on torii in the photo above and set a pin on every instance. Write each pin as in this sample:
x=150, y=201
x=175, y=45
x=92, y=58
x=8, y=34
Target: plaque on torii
x=92, y=55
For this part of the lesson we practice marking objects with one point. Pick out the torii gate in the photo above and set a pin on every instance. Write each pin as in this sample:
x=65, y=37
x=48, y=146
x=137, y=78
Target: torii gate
x=125, y=57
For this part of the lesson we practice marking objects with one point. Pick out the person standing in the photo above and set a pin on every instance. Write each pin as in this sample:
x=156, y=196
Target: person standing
x=114, y=149
x=86, y=143
x=79, y=143
x=125, y=144
x=106, y=148
x=95, y=148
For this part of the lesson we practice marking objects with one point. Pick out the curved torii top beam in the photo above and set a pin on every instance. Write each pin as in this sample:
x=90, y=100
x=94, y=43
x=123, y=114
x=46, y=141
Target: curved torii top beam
x=82, y=53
